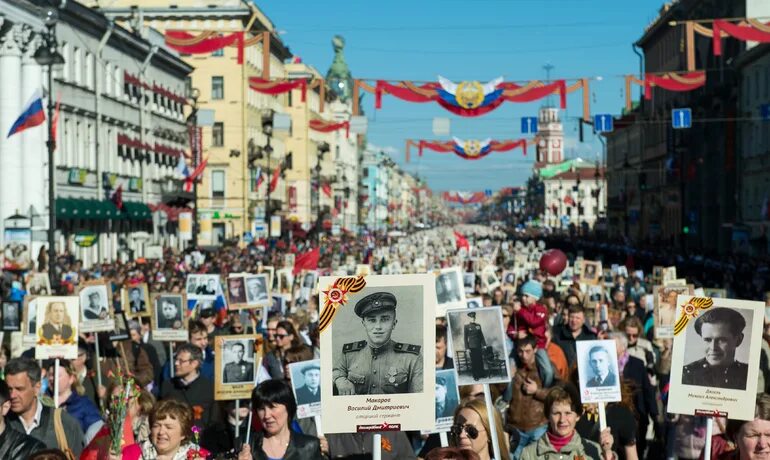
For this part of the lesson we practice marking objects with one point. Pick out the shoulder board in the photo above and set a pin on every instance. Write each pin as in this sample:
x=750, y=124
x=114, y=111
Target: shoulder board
x=354, y=346
x=406, y=348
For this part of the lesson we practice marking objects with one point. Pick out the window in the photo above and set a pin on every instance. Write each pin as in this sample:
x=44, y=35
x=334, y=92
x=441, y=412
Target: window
x=218, y=134
x=217, y=184
x=217, y=88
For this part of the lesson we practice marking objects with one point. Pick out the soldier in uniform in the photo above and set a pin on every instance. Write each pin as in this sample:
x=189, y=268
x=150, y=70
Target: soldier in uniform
x=474, y=340
x=239, y=371
x=722, y=332
x=378, y=365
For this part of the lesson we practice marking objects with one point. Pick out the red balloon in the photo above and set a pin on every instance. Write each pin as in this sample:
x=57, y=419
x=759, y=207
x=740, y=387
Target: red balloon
x=553, y=261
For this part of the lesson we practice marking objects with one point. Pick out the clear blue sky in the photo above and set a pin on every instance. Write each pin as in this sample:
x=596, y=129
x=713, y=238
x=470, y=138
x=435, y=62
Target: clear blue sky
x=471, y=40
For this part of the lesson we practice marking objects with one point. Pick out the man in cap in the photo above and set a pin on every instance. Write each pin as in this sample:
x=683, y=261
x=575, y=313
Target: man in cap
x=474, y=344
x=378, y=365
x=308, y=393
x=721, y=330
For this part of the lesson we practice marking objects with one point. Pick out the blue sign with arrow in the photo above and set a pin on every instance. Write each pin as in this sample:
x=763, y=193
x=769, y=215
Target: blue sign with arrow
x=528, y=125
x=681, y=118
x=603, y=123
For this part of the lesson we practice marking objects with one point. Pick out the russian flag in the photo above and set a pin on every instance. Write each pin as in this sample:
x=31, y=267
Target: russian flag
x=33, y=115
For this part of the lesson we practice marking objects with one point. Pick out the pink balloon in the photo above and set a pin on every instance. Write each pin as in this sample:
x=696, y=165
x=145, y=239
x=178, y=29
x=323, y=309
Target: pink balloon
x=553, y=262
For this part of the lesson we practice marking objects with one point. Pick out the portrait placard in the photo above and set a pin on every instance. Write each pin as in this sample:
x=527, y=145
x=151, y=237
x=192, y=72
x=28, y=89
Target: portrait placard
x=202, y=287
x=121, y=328
x=447, y=400
x=478, y=342
x=715, y=357
x=169, y=322
x=306, y=384
x=590, y=272
x=38, y=284
x=11, y=316
x=664, y=301
x=236, y=360
x=95, y=307
x=469, y=282
x=449, y=290
x=57, y=327
x=382, y=316
x=135, y=301
x=598, y=370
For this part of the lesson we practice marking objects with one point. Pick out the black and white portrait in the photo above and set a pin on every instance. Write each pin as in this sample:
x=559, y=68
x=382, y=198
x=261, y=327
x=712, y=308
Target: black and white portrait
x=121, y=328
x=256, y=290
x=236, y=290
x=717, y=349
x=94, y=303
x=238, y=361
x=598, y=370
x=135, y=300
x=11, y=315
x=478, y=342
x=474, y=302
x=449, y=290
x=715, y=357
x=306, y=383
x=385, y=323
x=469, y=282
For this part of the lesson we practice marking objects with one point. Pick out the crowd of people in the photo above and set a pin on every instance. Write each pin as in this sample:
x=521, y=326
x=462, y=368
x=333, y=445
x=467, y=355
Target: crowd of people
x=172, y=413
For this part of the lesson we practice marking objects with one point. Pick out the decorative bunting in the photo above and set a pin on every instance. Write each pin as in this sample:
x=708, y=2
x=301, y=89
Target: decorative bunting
x=466, y=149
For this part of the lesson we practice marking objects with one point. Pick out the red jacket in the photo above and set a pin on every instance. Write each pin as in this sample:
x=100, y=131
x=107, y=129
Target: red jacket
x=533, y=320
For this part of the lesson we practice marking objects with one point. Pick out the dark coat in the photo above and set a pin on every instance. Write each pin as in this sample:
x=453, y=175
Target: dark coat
x=301, y=447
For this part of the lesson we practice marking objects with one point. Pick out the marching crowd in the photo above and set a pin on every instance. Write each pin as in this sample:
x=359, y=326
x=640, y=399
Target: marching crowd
x=172, y=414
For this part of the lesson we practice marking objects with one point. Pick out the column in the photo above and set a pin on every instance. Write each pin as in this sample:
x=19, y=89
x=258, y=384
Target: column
x=35, y=155
x=11, y=190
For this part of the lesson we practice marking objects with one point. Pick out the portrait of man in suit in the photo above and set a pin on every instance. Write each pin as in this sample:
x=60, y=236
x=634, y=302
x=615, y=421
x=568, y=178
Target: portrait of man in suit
x=57, y=324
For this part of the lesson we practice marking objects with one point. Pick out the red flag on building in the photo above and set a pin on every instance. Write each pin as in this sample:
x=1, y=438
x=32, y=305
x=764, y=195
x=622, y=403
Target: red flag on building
x=307, y=261
x=117, y=197
x=461, y=241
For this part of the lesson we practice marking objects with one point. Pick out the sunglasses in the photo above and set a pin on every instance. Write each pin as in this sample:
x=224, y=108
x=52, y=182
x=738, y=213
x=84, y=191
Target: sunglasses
x=470, y=430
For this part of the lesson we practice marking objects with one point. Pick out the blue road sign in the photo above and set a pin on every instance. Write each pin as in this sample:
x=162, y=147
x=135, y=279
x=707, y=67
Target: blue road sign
x=528, y=125
x=681, y=118
x=603, y=123
x=764, y=109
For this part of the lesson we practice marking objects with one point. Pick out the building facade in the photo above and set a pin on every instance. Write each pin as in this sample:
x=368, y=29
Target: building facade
x=121, y=126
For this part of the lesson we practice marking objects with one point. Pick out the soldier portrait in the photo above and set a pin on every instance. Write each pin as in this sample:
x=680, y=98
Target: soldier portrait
x=479, y=345
x=377, y=364
x=718, y=334
x=238, y=368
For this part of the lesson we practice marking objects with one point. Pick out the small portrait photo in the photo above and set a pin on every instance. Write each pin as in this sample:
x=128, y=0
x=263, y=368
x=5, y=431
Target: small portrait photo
x=715, y=357
x=591, y=272
x=96, y=307
x=169, y=319
x=375, y=340
x=306, y=383
x=11, y=316
x=38, y=284
x=202, y=287
x=598, y=370
x=121, y=328
x=447, y=398
x=509, y=278
x=469, y=282
x=474, y=302
x=257, y=294
x=236, y=291
x=57, y=327
x=136, y=301
x=664, y=301
x=449, y=290
x=478, y=341
x=236, y=363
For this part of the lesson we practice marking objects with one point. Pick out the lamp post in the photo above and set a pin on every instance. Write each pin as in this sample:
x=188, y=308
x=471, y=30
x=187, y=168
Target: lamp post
x=48, y=55
x=192, y=121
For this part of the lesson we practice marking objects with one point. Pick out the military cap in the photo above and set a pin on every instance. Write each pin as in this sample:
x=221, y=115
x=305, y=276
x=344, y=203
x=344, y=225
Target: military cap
x=373, y=303
x=310, y=367
x=472, y=315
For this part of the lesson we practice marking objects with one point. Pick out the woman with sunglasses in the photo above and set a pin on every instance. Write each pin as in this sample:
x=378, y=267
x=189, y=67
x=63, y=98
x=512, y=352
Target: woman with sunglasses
x=563, y=409
x=471, y=429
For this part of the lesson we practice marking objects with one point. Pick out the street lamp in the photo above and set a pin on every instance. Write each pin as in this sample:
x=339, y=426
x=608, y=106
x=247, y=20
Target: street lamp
x=48, y=55
x=192, y=121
